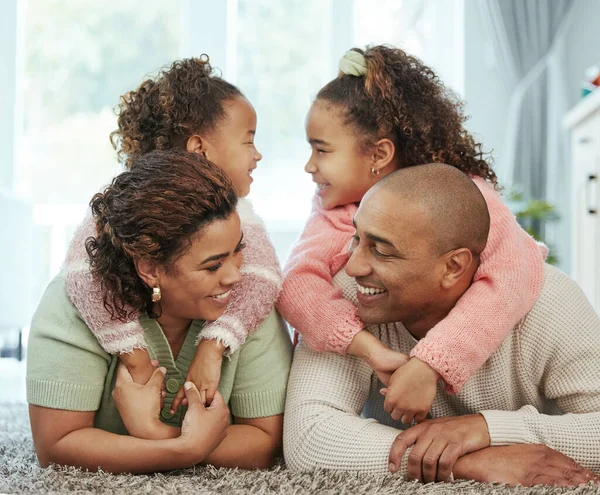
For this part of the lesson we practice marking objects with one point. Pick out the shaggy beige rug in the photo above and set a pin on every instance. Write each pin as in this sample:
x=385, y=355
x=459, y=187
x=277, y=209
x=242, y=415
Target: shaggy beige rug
x=19, y=472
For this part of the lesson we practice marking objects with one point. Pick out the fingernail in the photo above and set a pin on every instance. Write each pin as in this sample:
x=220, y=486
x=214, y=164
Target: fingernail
x=187, y=385
x=392, y=467
x=172, y=411
x=163, y=370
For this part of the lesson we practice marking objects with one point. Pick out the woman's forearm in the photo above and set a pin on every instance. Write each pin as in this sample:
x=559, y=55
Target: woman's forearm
x=245, y=447
x=92, y=448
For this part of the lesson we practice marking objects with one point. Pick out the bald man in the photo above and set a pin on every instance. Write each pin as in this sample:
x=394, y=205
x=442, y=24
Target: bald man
x=530, y=415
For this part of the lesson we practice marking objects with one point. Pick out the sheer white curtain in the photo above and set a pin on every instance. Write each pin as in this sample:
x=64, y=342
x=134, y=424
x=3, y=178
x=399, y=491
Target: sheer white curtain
x=528, y=37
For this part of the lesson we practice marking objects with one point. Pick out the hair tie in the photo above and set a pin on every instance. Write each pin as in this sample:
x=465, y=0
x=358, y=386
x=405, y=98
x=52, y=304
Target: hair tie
x=353, y=63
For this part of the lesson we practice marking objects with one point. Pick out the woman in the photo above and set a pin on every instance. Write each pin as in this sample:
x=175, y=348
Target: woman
x=168, y=244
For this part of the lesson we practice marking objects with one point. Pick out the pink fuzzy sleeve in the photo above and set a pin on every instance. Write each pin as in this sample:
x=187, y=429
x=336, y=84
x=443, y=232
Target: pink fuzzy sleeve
x=85, y=293
x=505, y=287
x=309, y=301
x=254, y=297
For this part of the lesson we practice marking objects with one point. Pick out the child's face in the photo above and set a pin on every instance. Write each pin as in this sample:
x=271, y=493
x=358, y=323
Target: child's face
x=231, y=145
x=340, y=169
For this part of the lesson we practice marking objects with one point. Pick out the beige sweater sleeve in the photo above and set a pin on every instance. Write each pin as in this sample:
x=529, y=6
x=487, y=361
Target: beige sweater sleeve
x=560, y=346
x=323, y=427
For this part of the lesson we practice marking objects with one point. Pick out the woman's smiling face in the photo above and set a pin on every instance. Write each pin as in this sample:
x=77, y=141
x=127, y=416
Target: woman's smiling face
x=198, y=284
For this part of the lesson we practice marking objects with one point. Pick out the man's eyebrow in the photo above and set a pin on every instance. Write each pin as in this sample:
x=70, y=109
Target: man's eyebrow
x=376, y=238
x=220, y=256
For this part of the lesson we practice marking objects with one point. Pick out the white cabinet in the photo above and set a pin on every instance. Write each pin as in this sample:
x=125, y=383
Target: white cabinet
x=584, y=123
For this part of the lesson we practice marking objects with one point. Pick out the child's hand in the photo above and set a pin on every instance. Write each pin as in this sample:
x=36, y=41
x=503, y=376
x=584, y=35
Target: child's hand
x=204, y=372
x=411, y=391
x=385, y=362
x=139, y=365
x=380, y=358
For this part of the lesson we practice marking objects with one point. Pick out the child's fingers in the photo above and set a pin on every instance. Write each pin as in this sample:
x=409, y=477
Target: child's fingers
x=420, y=416
x=210, y=394
x=383, y=391
x=154, y=362
x=218, y=401
x=203, y=396
x=178, y=400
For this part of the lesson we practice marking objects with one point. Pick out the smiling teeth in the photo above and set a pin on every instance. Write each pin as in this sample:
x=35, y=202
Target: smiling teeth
x=222, y=296
x=321, y=186
x=370, y=291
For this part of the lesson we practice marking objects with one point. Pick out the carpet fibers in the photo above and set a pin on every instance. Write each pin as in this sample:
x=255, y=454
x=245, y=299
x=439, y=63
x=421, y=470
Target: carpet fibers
x=19, y=472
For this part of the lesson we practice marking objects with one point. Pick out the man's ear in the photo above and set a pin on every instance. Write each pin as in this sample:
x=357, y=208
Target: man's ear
x=195, y=144
x=147, y=271
x=383, y=154
x=457, y=266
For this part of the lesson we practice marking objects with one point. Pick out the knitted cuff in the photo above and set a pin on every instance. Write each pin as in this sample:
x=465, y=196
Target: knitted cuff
x=259, y=404
x=222, y=335
x=506, y=427
x=66, y=396
x=454, y=374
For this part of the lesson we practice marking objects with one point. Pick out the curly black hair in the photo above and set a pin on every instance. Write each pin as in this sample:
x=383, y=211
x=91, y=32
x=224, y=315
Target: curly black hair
x=163, y=112
x=152, y=211
x=401, y=98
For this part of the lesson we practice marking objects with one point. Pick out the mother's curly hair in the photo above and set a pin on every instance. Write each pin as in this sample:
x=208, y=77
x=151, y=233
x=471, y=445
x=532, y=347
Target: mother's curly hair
x=163, y=112
x=404, y=100
x=152, y=211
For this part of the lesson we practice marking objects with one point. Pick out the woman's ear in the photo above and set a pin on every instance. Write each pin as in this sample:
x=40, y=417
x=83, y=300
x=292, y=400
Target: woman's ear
x=458, y=265
x=148, y=271
x=383, y=154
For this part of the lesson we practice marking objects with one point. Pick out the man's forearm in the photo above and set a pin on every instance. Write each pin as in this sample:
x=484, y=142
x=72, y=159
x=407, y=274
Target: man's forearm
x=92, y=448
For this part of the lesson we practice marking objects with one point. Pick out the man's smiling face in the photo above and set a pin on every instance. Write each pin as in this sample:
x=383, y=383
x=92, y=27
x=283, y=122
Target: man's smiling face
x=394, y=261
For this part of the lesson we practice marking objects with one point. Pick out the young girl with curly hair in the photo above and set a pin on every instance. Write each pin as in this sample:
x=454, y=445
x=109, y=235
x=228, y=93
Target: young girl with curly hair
x=386, y=110
x=188, y=107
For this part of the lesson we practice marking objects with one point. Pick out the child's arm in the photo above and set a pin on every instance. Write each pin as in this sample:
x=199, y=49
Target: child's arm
x=115, y=336
x=309, y=301
x=505, y=287
x=251, y=302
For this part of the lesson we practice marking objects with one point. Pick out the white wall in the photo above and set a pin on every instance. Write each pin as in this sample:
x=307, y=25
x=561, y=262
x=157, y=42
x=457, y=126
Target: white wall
x=582, y=44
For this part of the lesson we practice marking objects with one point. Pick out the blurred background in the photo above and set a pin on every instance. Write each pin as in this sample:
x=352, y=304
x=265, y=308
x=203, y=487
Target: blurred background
x=522, y=66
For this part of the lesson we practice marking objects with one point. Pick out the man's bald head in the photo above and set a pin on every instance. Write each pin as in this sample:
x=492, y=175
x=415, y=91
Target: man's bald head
x=456, y=212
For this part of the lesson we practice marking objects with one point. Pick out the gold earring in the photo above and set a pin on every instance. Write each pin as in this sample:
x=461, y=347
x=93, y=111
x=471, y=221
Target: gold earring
x=156, y=295
x=374, y=172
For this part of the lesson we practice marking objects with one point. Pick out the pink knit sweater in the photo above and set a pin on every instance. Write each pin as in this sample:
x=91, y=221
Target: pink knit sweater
x=505, y=287
x=252, y=299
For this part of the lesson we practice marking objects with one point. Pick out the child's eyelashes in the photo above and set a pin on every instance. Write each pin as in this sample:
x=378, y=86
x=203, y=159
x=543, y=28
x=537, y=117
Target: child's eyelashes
x=240, y=247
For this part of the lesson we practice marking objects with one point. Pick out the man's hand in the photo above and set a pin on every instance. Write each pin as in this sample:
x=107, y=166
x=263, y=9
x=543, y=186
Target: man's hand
x=203, y=428
x=139, y=405
x=204, y=372
x=522, y=464
x=411, y=391
x=437, y=444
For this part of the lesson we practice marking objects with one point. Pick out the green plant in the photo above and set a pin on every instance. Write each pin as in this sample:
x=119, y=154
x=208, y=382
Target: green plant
x=533, y=215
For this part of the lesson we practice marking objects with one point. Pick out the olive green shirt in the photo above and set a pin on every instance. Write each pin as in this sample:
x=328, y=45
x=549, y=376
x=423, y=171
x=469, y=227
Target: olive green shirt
x=67, y=369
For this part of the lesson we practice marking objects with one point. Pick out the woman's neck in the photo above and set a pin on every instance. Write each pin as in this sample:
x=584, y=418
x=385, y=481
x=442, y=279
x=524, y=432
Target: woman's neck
x=175, y=330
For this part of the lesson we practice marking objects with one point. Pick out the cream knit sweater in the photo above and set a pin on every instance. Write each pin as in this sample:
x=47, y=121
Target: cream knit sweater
x=541, y=386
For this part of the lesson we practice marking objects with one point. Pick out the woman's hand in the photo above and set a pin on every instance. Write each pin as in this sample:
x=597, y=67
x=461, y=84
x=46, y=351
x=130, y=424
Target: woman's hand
x=139, y=405
x=203, y=428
